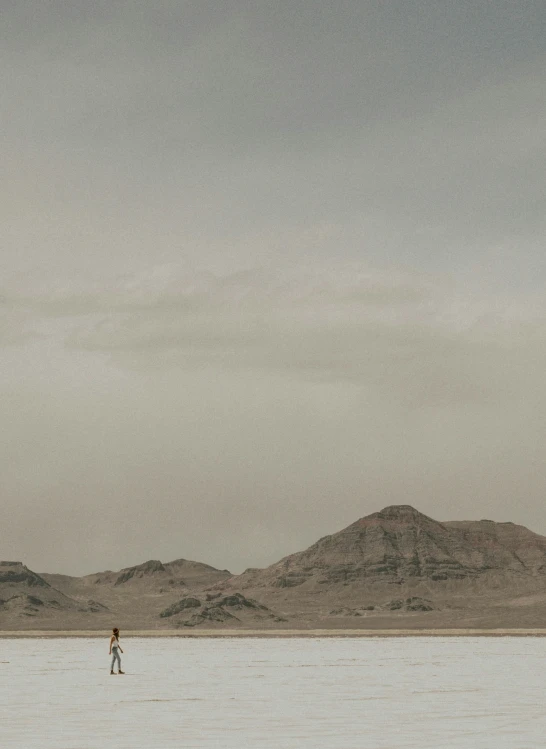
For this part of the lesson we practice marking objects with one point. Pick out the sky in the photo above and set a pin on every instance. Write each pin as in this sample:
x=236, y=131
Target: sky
x=267, y=268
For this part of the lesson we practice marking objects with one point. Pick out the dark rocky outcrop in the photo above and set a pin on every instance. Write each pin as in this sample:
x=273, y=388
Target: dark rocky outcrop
x=95, y=607
x=183, y=605
x=141, y=570
x=345, y=611
x=217, y=608
x=414, y=603
x=209, y=614
x=16, y=572
x=239, y=602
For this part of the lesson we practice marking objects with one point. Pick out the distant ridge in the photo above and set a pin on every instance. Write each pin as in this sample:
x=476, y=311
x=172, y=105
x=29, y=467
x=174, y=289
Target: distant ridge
x=391, y=568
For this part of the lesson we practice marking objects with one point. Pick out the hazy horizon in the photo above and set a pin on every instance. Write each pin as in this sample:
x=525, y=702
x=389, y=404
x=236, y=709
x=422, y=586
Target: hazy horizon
x=267, y=269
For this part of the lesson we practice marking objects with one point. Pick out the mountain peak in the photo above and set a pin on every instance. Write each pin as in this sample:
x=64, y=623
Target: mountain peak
x=151, y=567
x=397, y=515
x=399, y=510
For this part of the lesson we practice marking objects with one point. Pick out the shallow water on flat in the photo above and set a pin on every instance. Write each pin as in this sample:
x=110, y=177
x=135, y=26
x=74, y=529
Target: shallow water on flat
x=284, y=693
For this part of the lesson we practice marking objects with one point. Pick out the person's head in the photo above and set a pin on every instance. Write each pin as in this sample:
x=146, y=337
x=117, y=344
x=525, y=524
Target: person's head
x=116, y=632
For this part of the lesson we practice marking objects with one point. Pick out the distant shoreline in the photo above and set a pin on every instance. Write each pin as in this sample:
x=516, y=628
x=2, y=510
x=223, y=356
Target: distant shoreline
x=279, y=633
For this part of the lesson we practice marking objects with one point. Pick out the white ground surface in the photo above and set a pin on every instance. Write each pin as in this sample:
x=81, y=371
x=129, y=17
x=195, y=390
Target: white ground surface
x=395, y=693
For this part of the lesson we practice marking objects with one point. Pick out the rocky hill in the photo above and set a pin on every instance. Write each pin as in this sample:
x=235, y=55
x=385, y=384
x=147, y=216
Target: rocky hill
x=153, y=575
x=135, y=596
x=476, y=572
x=399, y=543
x=27, y=598
x=393, y=568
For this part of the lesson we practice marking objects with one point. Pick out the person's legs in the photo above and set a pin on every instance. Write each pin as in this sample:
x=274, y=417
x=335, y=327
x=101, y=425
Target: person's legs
x=116, y=651
x=114, y=654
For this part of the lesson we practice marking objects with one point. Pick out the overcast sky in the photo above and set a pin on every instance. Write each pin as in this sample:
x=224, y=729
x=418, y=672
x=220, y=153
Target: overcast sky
x=267, y=267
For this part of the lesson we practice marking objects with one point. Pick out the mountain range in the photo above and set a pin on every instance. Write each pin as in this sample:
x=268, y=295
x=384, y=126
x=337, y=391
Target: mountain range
x=396, y=568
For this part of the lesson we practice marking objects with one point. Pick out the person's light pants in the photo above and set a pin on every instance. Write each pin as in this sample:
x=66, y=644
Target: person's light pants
x=115, y=656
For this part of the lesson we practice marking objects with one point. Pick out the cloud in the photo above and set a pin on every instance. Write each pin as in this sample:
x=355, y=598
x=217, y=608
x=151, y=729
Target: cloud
x=16, y=322
x=415, y=339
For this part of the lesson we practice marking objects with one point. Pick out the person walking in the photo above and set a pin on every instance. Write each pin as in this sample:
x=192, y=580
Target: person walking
x=115, y=649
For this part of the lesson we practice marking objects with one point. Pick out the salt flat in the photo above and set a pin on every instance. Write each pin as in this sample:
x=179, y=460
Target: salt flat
x=276, y=633
x=388, y=693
